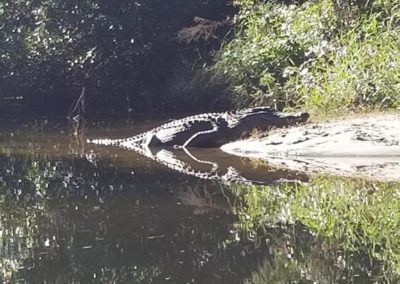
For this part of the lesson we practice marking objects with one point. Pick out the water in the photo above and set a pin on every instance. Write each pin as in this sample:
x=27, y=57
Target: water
x=72, y=212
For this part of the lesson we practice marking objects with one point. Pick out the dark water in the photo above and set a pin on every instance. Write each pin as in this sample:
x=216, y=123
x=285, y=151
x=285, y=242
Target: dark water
x=72, y=212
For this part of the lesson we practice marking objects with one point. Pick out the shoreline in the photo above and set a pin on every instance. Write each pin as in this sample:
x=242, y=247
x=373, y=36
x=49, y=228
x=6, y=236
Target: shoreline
x=366, y=146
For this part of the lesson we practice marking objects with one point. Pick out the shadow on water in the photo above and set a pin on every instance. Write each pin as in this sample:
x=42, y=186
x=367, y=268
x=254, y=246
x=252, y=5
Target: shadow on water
x=76, y=212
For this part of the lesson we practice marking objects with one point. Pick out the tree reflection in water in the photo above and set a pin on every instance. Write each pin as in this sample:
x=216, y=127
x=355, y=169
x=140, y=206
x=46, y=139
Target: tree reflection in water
x=336, y=229
x=115, y=217
x=66, y=220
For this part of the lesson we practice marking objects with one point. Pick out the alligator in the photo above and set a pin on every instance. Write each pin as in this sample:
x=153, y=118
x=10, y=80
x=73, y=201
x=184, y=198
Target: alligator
x=201, y=131
x=208, y=129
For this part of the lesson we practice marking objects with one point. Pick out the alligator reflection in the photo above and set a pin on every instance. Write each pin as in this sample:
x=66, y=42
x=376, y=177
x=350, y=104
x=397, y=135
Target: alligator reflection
x=214, y=164
x=93, y=214
x=68, y=221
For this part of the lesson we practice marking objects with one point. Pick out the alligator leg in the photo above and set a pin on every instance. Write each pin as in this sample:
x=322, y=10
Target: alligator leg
x=199, y=134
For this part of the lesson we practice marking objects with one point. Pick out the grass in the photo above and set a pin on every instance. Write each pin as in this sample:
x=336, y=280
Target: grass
x=321, y=56
x=358, y=74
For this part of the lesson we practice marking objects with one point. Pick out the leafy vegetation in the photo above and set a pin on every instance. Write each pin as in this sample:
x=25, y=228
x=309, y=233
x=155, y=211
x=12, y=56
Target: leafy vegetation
x=318, y=55
x=127, y=53
x=323, y=56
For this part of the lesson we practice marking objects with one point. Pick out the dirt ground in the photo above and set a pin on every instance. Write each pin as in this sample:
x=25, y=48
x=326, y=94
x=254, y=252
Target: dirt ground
x=367, y=146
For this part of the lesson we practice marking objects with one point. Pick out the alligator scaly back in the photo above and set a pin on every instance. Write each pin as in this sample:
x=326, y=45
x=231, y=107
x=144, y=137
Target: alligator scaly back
x=203, y=130
x=208, y=129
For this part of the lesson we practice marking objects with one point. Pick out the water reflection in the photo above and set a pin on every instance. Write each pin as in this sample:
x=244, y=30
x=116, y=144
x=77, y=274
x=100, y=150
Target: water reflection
x=209, y=164
x=349, y=229
x=74, y=213
x=65, y=221
x=212, y=164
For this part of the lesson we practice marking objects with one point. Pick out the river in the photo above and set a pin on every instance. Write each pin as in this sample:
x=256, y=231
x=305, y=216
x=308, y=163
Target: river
x=73, y=212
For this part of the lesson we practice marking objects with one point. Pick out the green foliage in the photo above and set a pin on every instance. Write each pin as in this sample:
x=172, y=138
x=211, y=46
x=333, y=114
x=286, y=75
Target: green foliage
x=320, y=55
x=359, y=72
x=125, y=51
x=273, y=40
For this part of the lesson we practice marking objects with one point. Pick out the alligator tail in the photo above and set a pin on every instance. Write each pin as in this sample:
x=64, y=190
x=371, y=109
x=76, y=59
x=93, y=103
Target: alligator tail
x=132, y=142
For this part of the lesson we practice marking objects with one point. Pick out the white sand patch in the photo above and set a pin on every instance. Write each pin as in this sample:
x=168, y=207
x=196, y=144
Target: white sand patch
x=365, y=146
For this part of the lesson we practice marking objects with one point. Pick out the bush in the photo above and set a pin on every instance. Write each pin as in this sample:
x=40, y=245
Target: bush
x=319, y=55
x=126, y=54
x=362, y=70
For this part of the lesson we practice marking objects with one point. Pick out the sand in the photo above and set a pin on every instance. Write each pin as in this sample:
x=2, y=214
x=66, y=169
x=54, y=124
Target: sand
x=367, y=146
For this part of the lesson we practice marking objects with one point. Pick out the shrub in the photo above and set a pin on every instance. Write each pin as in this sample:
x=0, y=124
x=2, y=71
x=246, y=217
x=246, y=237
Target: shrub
x=320, y=55
x=270, y=41
x=362, y=70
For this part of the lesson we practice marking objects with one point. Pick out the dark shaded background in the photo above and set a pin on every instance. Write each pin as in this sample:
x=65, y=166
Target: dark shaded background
x=135, y=58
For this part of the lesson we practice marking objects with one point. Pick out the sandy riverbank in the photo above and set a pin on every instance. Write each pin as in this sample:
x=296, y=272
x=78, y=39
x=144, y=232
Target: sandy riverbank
x=367, y=146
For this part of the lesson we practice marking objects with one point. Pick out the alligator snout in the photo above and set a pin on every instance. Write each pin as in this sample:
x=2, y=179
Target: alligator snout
x=303, y=116
x=296, y=117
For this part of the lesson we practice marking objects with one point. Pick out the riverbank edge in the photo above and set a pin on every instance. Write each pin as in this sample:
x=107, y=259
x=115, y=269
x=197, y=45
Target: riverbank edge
x=359, y=145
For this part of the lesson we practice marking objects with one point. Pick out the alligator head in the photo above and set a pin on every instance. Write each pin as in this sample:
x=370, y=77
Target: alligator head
x=265, y=118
